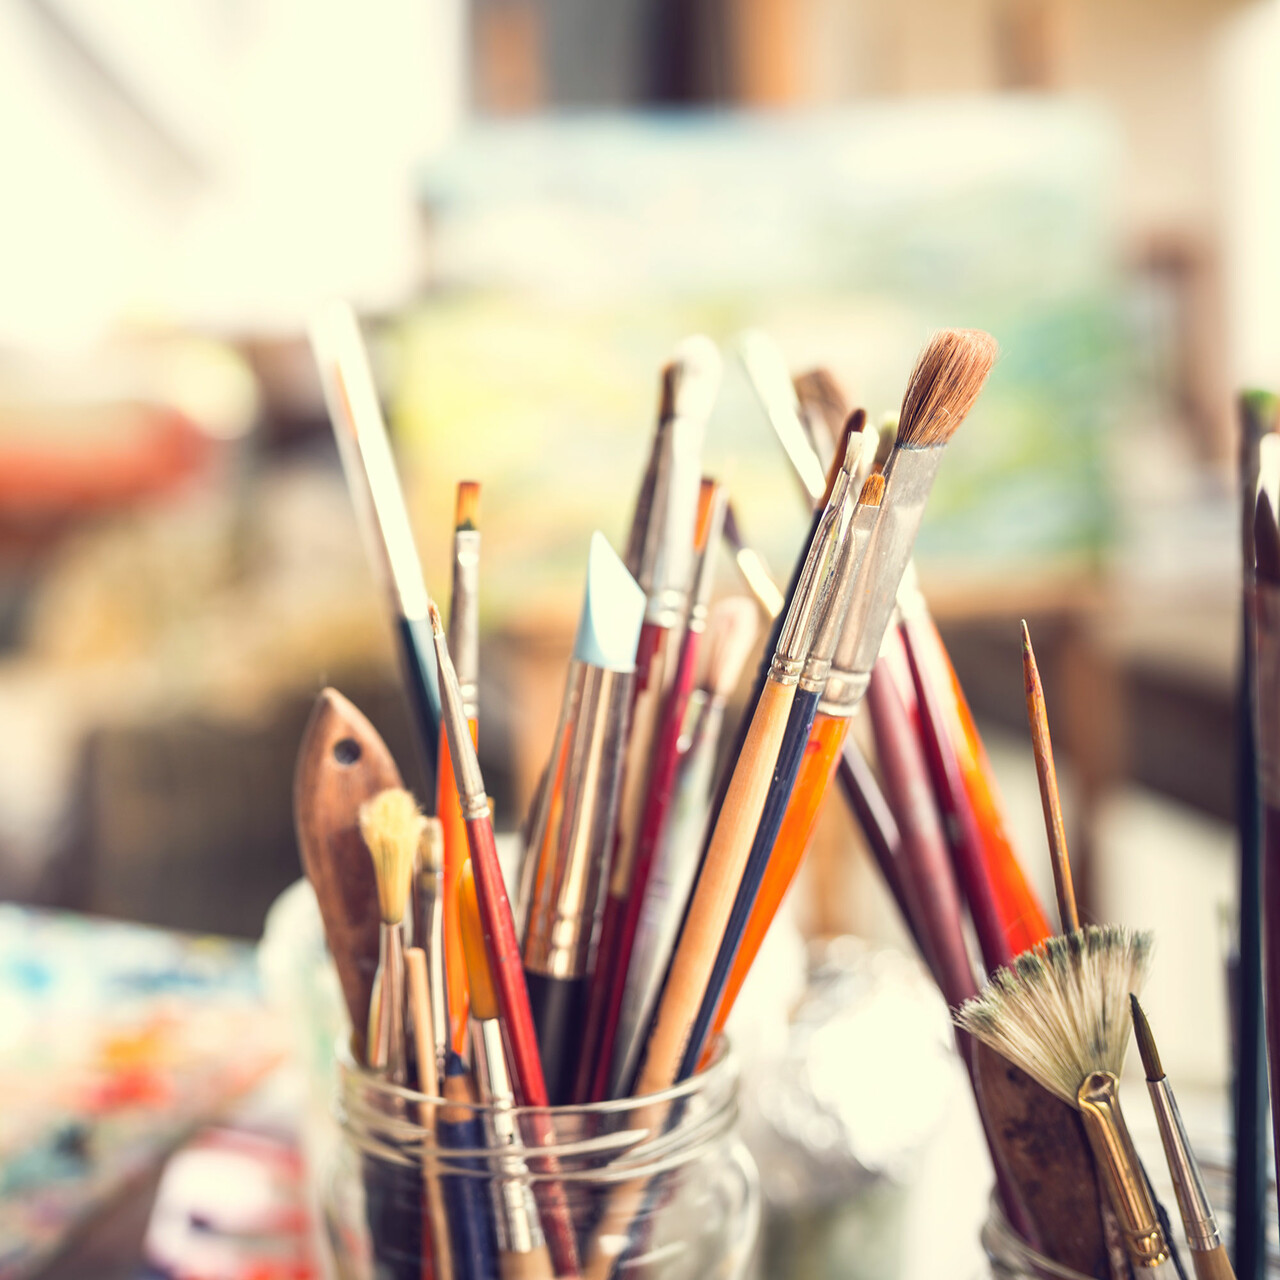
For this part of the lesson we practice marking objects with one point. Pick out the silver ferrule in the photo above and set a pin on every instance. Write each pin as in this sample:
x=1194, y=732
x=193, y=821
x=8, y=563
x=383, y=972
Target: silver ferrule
x=515, y=1214
x=813, y=590
x=462, y=751
x=1188, y=1186
x=385, y=1046
x=705, y=571
x=1266, y=620
x=908, y=480
x=668, y=591
x=565, y=895
x=464, y=616
x=437, y=984
x=832, y=619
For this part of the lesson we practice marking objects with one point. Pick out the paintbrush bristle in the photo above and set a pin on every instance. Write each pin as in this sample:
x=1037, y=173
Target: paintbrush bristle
x=466, y=511
x=947, y=379
x=702, y=526
x=484, y=1000
x=437, y=623
x=612, y=611
x=732, y=629
x=872, y=494
x=854, y=438
x=1147, y=1050
x=391, y=827
x=691, y=381
x=431, y=845
x=1060, y=1010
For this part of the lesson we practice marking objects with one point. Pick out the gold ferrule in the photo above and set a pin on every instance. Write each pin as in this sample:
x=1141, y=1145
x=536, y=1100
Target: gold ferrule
x=1099, y=1101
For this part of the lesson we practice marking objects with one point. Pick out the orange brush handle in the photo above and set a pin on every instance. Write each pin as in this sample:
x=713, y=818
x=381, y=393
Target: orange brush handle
x=1020, y=911
x=455, y=854
x=821, y=754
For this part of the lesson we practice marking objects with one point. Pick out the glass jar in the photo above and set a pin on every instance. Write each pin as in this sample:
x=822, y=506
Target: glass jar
x=1012, y=1258
x=661, y=1185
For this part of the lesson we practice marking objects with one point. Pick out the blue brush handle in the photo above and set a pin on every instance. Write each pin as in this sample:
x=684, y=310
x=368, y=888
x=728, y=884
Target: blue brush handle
x=790, y=754
x=466, y=1195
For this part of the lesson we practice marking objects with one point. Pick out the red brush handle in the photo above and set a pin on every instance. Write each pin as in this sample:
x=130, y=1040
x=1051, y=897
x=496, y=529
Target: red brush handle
x=666, y=757
x=506, y=968
x=598, y=997
x=963, y=836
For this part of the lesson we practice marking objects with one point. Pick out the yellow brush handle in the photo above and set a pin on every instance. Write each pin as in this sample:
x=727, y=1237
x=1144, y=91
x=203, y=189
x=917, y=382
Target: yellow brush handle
x=716, y=889
x=1212, y=1264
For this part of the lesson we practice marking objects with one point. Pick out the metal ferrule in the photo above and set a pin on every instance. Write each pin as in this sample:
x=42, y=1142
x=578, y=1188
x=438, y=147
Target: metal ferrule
x=1099, y=1102
x=813, y=590
x=668, y=591
x=515, y=1214
x=849, y=553
x=385, y=1041
x=704, y=572
x=566, y=891
x=908, y=481
x=437, y=983
x=1193, y=1201
x=464, y=616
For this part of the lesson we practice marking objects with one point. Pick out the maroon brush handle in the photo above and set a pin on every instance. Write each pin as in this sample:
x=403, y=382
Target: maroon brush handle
x=507, y=969
x=666, y=758
x=963, y=837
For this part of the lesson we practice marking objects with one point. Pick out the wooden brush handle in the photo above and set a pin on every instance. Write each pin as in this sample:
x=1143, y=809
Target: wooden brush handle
x=1212, y=1264
x=717, y=886
x=342, y=762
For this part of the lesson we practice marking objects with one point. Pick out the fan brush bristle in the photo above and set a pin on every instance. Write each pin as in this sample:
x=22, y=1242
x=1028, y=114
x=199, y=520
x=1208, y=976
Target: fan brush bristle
x=1061, y=1011
x=392, y=827
x=947, y=380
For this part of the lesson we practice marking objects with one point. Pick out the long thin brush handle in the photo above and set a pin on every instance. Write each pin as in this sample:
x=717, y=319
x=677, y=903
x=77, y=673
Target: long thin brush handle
x=418, y=670
x=781, y=786
x=817, y=767
x=507, y=970
x=963, y=837
x=662, y=772
x=716, y=889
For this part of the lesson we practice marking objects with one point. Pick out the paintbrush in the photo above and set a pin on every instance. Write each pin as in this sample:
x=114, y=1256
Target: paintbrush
x=689, y=391
x=391, y=828
x=464, y=645
x=365, y=450
x=717, y=1003
x=570, y=855
x=522, y=1249
x=342, y=762
x=437, y=1252
x=1208, y=1253
x=731, y=636
x=429, y=929
x=458, y=1128
x=754, y=571
x=725, y=857
x=504, y=957
x=662, y=768
x=823, y=408
x=1058, y=1014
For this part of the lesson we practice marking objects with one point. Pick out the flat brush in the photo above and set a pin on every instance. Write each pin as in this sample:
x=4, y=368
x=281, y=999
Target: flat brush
x=731, y=636
x=767, y=852
x=1208, y=1253
x=391, y=827
x=522, y=1249
x=690, y=386
x=571, y=851
x=662, y=769
x=1058, y=1014
x=370, y=469
x=503, y=951
x=725, y=857
x=464, y=645
x=428, y=886
x=342, y=762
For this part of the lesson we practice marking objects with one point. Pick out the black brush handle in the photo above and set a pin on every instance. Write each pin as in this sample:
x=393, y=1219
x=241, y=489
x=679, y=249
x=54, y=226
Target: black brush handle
x=422, y=686
x=559, y=1012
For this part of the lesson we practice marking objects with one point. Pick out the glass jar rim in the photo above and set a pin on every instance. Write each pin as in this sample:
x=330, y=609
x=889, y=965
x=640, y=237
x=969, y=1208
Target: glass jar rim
x=1004, y=1246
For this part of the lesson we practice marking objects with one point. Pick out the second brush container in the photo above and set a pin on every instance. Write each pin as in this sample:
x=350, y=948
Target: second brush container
x=659, y=1186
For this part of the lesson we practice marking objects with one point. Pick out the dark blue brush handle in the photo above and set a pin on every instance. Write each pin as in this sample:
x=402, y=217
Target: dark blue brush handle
x=790, y=754
x=466, y=1204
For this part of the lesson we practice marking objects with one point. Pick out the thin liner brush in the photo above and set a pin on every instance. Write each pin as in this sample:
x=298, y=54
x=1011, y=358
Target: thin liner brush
x=391, y=827
x=689, y=391
x=731, y=635
x=429, y=927
x=730, y=844
x=464, y=645
x=504, y=957
x=1208, y=1253
x=662, y=770
x=768, y=876
x=522, y=1248
x=1042, y=745
x=573, y=851
x=370, y=469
